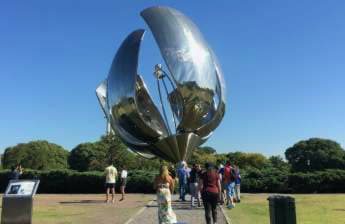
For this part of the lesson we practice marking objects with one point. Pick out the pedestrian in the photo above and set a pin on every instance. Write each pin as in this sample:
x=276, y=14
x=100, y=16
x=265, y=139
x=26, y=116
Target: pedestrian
x=164, y=185
x=237, y=184
x=229, y=182
x=182, y=180
x=123, y=182
x=193, y=185
x=209, y=184
x=110, y=180
x=221, y=174
x=15, y=173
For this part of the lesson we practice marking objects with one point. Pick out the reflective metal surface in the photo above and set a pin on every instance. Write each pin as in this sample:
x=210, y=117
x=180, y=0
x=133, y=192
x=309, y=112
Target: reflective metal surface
x=122, y=94
x=196, y=97
x=189, y=61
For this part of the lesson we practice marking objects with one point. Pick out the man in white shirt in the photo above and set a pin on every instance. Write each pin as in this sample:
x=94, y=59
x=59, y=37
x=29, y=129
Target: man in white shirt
x=123, y=182
x=110, y=180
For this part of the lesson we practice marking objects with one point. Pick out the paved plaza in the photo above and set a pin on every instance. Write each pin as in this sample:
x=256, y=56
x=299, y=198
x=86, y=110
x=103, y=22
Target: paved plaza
x=184, y=213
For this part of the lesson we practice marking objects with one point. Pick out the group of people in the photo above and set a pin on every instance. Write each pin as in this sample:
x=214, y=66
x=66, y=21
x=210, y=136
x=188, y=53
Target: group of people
x=212, y=185
x=111, y=175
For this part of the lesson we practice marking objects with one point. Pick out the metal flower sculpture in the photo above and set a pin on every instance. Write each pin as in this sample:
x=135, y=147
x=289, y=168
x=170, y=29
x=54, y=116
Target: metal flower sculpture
x=194, y=87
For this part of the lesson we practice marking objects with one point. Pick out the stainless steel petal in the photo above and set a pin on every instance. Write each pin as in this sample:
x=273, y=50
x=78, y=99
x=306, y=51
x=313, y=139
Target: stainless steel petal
x=147, y=109
x=176, y=102
x=220, y=111
x=189, y=61
x=204, y=139
x=144, y=155
x=122, y=92
x=101, y=93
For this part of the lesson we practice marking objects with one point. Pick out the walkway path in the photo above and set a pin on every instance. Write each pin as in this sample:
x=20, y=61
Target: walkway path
x=184, y=213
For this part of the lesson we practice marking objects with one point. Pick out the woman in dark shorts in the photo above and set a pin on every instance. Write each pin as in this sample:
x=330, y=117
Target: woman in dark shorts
x=123, y=182
x=209, y=185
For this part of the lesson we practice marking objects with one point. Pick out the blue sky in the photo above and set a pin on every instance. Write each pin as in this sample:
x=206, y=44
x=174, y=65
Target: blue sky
x=283, y=61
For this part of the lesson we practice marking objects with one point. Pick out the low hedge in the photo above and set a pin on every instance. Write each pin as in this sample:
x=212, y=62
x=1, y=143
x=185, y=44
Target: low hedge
x=279, y=181
x=68, y=181
x=253, y=181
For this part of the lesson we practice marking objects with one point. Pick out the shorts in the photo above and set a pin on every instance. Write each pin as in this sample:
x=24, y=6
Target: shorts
x=123, y=182
x=230, y=188
x=109, y=185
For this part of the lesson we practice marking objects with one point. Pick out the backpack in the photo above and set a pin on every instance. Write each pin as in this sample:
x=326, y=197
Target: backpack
x=229, y=174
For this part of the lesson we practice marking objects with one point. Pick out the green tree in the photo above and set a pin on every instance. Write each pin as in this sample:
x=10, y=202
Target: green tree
x=247, y=160
x=201, y=155
x=279, y=163
x=116, y=151
x=97, y=155
x=88, y=156
x=38, y=155
x=315, y=154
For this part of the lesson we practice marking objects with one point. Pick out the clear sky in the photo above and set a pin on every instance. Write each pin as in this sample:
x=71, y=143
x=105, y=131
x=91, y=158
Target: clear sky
x=283, y=61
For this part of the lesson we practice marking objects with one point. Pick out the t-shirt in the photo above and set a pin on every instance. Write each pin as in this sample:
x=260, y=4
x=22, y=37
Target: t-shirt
x=182, y=175
x=110, y=174
x=210, y=181
x=124, y=174
x=193, y=176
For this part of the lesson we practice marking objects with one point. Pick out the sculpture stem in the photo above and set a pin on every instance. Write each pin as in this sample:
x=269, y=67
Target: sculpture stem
x=163, y=109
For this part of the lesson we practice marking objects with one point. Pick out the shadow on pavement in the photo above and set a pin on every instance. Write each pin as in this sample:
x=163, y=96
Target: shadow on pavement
x=83, y=202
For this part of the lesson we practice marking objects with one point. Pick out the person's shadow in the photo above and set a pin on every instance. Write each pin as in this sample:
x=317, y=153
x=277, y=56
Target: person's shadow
x=83, y=202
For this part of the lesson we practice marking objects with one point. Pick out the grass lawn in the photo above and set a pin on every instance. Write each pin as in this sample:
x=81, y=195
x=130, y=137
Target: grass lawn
x=310, y=209
x=85, y=209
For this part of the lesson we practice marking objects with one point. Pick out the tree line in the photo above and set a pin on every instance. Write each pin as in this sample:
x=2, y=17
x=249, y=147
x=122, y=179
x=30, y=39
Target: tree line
x=310, y=155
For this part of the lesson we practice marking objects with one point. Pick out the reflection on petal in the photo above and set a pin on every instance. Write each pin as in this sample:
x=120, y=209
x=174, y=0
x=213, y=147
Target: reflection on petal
x=148, y=110
x=189, y=61
x=220, y=111
x=122, y=92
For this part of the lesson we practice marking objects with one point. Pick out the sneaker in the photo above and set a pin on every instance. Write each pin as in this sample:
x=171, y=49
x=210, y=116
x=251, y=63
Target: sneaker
x=230, y=206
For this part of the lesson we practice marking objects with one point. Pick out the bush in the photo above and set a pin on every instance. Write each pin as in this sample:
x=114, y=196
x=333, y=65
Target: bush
x=253, y=181
x=67, y=181
x=329, y=181
x=280, y=181
x=265, y=180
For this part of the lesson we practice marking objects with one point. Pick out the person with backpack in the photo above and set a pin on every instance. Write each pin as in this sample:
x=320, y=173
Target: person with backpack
x=229, y=182
x=209, y=185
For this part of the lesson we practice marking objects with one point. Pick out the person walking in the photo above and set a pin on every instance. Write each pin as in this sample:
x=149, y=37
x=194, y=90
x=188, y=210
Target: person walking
x=237, y=184
x=182, y=180
x=221, y=174
x=123, y=182
x=164, y=185
x=110, y=180
x=193, y=185
x=229, y=181
x=209, y=185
